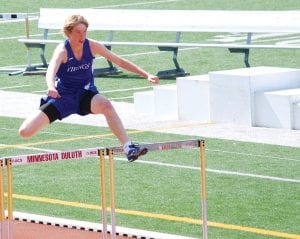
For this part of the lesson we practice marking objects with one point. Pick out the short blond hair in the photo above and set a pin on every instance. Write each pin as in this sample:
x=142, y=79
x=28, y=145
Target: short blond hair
x=73, y=21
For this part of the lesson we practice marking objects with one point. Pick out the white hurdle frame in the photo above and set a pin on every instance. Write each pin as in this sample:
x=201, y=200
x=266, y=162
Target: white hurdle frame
x=101, y=153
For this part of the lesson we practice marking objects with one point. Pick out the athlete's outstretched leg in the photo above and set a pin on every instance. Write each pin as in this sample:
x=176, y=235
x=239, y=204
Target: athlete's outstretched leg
x=100, y=105
x=33, y=124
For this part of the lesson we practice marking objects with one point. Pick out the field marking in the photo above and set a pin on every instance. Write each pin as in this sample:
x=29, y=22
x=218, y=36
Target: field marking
x=217, y=171
x=253, y=155
x=258, y=37
x=110, y=91
x=54, y=141
x=39, y=149
x=107, y=6
x=33, y=35
x=123, y=5
x=14, y=87
x=160, y=216
x=127, y=89
x=137, y=4
x=123, y=55
x=43, y=132
x=121, y=98
x=152, y=52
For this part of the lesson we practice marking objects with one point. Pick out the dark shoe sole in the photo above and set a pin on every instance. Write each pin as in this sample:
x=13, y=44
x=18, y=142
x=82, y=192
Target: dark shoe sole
x=142, y=152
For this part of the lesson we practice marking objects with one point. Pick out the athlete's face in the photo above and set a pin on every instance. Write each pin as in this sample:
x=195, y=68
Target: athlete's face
x=78, y=34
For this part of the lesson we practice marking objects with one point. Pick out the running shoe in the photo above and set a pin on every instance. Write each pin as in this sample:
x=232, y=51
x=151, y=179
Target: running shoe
x=135, y=151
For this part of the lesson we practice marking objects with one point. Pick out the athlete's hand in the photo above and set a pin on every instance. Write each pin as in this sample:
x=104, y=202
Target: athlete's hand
x=52, y=92
x=153, y=79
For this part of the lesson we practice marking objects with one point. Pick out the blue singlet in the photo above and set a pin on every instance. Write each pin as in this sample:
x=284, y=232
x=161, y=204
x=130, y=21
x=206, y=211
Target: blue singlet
x=73, y=80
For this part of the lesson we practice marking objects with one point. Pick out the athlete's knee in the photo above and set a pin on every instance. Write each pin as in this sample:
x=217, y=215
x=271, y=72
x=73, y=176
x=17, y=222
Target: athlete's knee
x=25, y=132
x=108, y=109
x=33, y=124
x=102, y=107
x=107, y=105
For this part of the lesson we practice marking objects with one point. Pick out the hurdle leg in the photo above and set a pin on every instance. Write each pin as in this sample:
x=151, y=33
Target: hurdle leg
x=112, y=194
x=103, y=193
x=203, y=189
x=9, y=199
x=2, y=210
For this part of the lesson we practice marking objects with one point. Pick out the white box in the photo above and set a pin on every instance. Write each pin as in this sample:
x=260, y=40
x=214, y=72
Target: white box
x=193, y=98
x=296, y=114
x=144, y=102
x=165, y=101
x=275, y=108
x=232, y=91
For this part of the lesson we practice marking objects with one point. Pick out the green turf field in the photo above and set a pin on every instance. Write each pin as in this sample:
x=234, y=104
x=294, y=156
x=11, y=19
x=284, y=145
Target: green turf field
x=253, y=190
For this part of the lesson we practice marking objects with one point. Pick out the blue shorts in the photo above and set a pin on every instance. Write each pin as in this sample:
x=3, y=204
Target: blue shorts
x=67, y=104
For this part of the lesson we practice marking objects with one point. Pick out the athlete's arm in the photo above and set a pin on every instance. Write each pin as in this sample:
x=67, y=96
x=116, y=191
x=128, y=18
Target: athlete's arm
x=58, y=57
x=100, y=49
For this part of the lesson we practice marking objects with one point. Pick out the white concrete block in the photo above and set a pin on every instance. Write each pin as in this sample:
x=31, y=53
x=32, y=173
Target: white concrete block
x=296, y=114
x=165, y=101
x=144, y=102
x=275, y=109
x=193, y=98
x=232, y=91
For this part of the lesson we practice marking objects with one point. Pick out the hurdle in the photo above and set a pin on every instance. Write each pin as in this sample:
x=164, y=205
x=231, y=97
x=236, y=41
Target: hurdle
x=2, y=210
x=13, y=16
x=102, y=154
x=186, y=144
x=9, y=199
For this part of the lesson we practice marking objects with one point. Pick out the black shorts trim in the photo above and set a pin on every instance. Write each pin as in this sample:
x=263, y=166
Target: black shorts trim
x=85, y=102
x=50, y=110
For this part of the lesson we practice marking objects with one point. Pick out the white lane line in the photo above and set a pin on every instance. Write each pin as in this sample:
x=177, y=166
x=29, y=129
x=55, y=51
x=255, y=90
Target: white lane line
x=128, y=89
x=33, y=35
x=137, y=4
x=121, y=98
x=123, y=55
x=254, y=155
x=13, y=87
x=107, y=91
x=217, y=171
x=45, y=132
x=33, y=148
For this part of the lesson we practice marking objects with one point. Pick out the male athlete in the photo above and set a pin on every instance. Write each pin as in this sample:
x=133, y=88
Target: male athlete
x=71, y=88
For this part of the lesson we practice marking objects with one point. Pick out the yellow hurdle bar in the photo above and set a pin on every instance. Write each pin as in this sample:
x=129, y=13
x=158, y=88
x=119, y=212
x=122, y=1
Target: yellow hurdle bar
x=112, y=194
x=2, y=210
x=203, y=189
x=103, y=193
x=10, y=198
x=184, y=144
